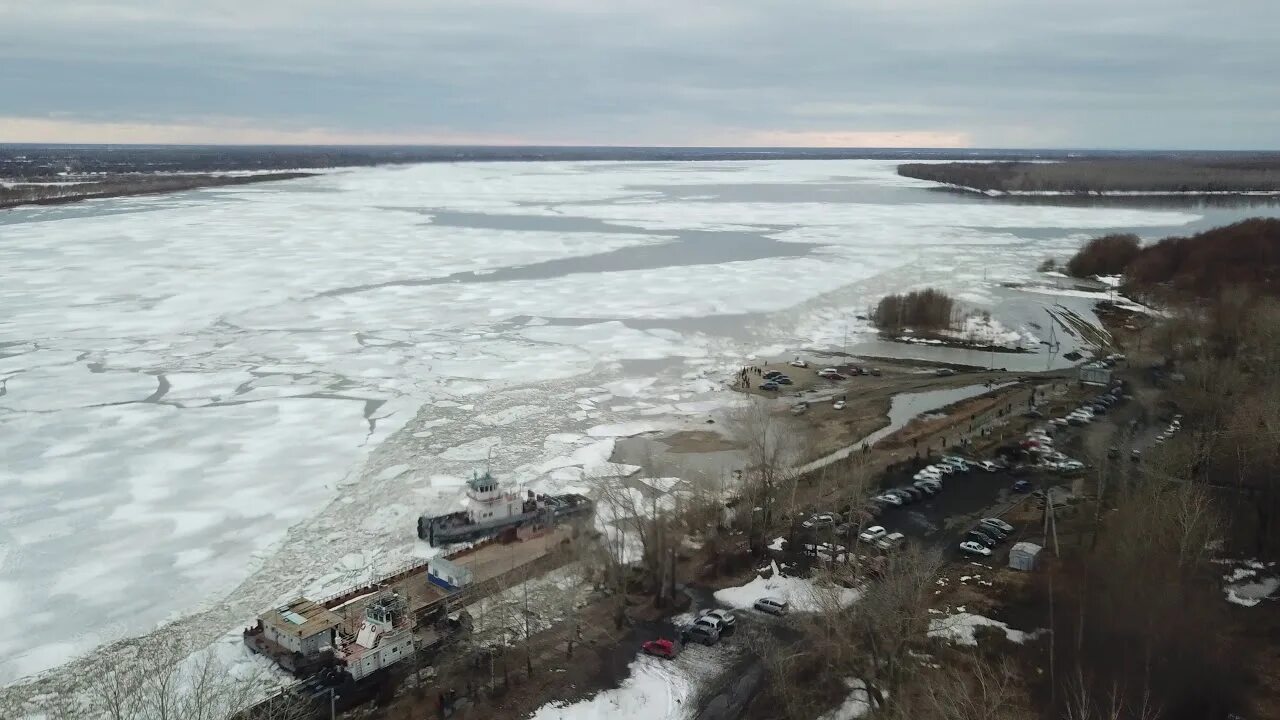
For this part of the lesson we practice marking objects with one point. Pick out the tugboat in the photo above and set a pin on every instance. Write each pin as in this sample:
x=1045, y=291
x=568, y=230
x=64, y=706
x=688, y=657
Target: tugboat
x=492, y=510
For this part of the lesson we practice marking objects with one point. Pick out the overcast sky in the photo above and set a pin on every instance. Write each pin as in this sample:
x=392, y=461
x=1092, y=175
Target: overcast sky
x=985, y=73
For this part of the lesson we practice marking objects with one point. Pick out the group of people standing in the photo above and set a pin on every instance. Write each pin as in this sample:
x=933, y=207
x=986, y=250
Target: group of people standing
x=744, y=375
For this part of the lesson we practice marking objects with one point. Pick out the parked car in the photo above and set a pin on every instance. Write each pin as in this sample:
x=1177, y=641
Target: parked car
x=661, y=647
x=992, y=532
x=700, y=634
x=709, y=621
x=891, y=499
x=829, y=373
x=726, y=618
x=838, y=405
x=973, y=548
x=980, y=538
x=800, y=408
x=946, y=469
x=1022, y=486
x=799, y=363
x=783, y=380
x=891, y=541
x=930, y=487
x=772, y=374
x=872, y=534
x=907, y=498
x=997, y=523
x=771, y=605
x=956, y=461
x=944, y=372
x=988, y=466
x=821, y=520
x=770, y=386
x=915, y=492
x=1060, y=422
x=875, y=372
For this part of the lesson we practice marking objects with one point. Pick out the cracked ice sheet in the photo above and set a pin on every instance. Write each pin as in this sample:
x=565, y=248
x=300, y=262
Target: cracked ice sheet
x=669, y=292
x=939, y=222
x=127, y=538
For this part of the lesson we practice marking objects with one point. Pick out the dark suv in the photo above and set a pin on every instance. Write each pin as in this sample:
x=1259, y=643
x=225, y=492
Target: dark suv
x=699, y=634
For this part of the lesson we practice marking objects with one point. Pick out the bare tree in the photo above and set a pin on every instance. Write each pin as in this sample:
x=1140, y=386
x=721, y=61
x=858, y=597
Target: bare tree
x=970, y=688
x=772, y=450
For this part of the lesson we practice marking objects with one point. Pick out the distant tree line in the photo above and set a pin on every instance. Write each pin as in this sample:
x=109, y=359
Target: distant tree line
x=1173, y=175
x=927, y=309
x=122, y=185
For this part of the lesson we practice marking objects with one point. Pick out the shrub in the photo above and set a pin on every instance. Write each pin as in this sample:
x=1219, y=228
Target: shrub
x=927, y=309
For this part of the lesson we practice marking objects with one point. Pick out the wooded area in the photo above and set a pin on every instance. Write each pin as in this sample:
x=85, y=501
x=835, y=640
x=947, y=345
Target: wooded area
x=1106, y=255
x=1246, y=253
x=1181, y=175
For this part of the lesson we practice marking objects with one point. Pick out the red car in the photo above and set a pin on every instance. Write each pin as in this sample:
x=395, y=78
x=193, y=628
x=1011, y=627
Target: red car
x=661, y=647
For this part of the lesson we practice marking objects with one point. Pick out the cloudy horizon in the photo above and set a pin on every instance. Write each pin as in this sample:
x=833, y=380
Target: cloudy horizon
x=1175, y=74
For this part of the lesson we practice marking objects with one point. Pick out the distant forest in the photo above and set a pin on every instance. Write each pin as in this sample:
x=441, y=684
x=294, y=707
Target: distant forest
x=1245, y=254
x=1180, y=175
x=123, y=185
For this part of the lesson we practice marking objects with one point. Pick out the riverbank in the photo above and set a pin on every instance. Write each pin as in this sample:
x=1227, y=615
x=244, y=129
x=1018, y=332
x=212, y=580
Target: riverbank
x=22, y=194
x=876, y=407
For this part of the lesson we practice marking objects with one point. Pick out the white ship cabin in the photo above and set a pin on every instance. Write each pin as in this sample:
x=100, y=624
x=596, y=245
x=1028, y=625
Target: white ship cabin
x=383, y=640
x=489, y=502
x=301, y=626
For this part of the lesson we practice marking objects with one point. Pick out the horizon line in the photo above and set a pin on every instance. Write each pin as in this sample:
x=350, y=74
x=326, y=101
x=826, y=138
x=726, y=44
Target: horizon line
x=555, y=146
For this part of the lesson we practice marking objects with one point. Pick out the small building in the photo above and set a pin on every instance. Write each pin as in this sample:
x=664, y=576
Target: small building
x=1095, y=374
x=301, y=626
x=448, y=575
x=1023, y=556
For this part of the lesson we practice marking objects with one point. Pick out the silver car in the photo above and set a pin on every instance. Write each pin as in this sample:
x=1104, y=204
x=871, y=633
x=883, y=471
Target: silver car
x=771, y=605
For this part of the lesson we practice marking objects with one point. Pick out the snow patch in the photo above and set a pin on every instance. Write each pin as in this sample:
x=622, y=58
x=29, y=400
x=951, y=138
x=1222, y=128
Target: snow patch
x=961, y=628
x=656, y=690
x=801, y=594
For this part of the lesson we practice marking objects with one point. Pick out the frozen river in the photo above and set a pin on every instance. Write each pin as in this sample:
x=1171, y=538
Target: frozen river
x=212, y=401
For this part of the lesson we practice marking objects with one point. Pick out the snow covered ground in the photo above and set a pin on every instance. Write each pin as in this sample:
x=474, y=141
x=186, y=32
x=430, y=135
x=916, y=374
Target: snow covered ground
x=801, y=594
x=1250, y=582
x=656, y=690
x=961, y=628
x=215, y=400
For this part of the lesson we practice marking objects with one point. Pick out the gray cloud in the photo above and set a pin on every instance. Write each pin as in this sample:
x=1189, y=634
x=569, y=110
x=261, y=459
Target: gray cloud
x=1089, y=73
